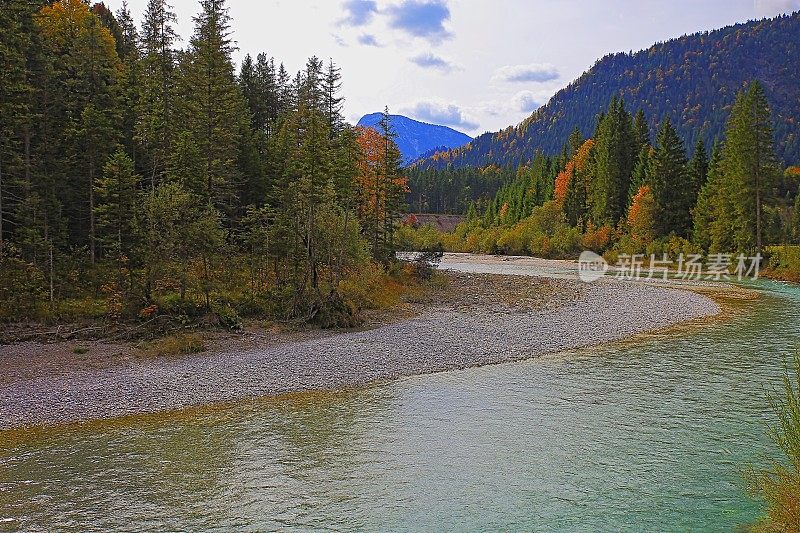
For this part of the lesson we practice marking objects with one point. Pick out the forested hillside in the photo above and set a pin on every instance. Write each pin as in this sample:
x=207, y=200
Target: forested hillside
x=140, y=180
x=692, y=80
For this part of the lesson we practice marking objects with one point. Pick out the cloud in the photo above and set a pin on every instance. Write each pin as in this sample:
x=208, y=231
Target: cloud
x=534, y=72
x=439, y=112
x=432, y=61
x=421, y=18
x=358, y=12
x=338, y=40
x=525, y=102
x=368, y=40
x=771, y=8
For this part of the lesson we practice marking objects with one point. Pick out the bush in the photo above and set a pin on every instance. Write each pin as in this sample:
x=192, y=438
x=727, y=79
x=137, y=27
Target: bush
x=370, y=288
x=779, y=486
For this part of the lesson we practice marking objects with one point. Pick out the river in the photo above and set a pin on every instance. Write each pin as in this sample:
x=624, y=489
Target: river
x=646, y=435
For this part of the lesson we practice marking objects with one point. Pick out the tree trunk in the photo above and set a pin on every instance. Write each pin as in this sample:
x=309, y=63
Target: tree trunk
x=92, y=250
x=2, y=214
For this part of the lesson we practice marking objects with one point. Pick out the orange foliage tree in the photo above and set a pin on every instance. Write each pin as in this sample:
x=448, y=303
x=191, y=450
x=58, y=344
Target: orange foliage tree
x=578, y=163
x=381, y=189
x=641, y=216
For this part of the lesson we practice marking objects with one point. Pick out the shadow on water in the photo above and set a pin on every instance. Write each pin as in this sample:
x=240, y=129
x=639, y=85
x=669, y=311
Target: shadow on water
x=634, y=436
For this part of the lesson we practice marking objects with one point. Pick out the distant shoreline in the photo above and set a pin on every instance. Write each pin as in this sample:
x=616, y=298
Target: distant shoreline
x=492, y=319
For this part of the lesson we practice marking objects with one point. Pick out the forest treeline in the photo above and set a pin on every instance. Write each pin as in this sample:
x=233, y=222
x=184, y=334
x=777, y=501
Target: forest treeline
x=622, y=191
x=139, y=179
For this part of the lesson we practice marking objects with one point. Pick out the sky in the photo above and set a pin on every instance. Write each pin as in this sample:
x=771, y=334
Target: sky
x=474, y=65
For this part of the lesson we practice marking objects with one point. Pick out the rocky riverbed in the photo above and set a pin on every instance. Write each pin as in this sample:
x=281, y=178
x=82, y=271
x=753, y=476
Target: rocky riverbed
x=483, y=319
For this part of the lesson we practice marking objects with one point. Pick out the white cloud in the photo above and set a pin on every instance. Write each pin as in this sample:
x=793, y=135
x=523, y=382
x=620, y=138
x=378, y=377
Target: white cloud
x=533, y=72
x=440, y=112
x=771, y=8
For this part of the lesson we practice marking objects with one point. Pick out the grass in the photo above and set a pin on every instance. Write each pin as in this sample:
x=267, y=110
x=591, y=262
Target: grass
x=174, y=345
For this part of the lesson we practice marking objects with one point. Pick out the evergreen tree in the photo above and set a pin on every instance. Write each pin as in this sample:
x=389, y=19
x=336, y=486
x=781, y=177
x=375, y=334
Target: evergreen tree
x=115, y=211
x=575, y=141
x=393, y=186
x=15, y=98
x=709, y=214
x=749, y=164
x=670, y=184
x=212, y=108
x=614, y=159
x=156, y=121
x=641, y=131
x=333, y=102
x=641, y=171
x=698, y=170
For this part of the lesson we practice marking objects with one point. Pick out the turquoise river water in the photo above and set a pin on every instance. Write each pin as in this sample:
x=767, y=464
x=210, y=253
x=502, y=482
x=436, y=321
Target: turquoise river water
x=650, y=435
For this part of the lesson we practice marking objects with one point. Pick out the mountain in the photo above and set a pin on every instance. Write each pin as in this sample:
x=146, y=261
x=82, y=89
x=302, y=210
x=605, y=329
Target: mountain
x=415, y=138
x=693, y=80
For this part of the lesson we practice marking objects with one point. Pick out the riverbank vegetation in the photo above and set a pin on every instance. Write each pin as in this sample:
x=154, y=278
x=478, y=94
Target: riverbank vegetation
x=142, y=182
x=624, y=192
x=779, y=485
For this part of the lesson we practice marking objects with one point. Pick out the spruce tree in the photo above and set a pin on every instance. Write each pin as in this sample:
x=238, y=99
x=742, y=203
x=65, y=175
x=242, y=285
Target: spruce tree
x=116, y=193
x=155, y=125
x=332, y=100
x=212, y=108
x=670, y=183
x=749, y=164
x=698, y=170
x=614, y=160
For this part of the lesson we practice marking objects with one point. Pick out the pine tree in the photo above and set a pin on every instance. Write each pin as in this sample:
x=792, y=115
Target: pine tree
x=86, y=73
x=641, y=131
x=393, y=185
x=640, y=172
x=749, y=163
x=698, y=170
x=212, y=108
x=332, y=101
x=670, y=184
x=116, y=193
x=614, y=160
x=705, y=214
x=15, y=96
x=130, y=80
x=156, y=122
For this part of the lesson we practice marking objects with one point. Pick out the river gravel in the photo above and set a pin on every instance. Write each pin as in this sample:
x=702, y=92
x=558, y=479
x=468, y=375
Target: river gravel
x=437, y=340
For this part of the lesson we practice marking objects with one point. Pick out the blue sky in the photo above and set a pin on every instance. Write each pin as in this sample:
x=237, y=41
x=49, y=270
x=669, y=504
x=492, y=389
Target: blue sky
x=475, y=65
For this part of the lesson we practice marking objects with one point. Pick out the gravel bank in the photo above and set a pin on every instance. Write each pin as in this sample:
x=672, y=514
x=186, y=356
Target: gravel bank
x=572, y=315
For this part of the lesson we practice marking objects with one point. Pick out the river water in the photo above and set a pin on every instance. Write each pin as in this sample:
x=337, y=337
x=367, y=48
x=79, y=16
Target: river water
x=647, y=435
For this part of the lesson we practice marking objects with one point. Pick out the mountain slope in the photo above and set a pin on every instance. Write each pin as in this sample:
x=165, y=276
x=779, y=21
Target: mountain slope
x=692, y=79
x=415, y=138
